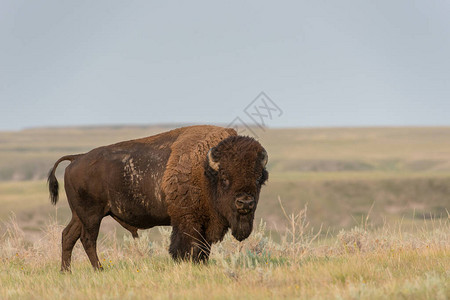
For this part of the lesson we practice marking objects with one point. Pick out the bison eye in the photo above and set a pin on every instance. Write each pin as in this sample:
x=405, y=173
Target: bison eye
x=225, y=182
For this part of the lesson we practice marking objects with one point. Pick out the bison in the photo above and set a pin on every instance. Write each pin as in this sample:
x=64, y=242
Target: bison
x=201, y=180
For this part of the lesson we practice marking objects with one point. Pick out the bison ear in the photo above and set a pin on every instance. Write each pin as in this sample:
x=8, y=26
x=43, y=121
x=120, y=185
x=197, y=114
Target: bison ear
x=211, y=162
x=264, y=159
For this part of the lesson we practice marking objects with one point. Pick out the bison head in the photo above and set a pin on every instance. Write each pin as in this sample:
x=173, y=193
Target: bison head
x=236, y=171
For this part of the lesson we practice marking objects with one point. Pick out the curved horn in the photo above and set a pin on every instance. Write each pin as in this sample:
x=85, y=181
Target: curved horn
x=213, y=164
x=264, y=159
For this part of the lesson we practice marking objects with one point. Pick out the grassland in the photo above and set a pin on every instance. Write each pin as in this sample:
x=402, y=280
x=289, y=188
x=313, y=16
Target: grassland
x=357, y=264
x=376, y=223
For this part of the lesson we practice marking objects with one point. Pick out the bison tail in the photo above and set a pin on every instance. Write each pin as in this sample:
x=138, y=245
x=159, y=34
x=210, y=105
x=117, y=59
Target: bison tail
x=53, y=185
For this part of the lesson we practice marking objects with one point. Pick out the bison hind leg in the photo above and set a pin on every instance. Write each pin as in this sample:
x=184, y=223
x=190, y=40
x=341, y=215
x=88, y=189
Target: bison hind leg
x=70, y=236
x=89, y=234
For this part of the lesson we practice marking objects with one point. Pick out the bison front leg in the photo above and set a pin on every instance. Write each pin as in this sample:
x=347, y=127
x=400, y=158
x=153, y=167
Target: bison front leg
x=189, y=244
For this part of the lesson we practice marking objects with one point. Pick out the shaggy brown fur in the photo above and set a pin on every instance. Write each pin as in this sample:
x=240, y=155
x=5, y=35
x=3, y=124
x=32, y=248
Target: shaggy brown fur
x=201, y=180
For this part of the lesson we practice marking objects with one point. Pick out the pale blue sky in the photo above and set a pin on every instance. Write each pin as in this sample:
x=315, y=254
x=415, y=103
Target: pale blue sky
x=325, y=63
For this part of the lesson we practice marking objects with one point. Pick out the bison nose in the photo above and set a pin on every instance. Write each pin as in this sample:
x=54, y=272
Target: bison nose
x=245, y=204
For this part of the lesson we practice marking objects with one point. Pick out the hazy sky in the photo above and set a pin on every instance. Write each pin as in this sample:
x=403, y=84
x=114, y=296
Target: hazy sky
x=324, y=63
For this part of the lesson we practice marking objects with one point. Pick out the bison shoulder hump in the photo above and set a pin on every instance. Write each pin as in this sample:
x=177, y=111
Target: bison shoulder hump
x=185, y=165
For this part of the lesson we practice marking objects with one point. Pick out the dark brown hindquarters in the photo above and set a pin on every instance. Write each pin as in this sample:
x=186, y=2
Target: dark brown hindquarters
x=72, y=231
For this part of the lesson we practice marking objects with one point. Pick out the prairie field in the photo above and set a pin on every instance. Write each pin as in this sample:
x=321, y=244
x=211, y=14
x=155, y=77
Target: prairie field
x=347, y=213
x=386, y=263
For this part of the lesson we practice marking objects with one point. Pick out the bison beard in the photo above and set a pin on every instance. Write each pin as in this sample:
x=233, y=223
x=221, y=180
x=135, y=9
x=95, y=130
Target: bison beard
x=242, y=226
x=201, y=180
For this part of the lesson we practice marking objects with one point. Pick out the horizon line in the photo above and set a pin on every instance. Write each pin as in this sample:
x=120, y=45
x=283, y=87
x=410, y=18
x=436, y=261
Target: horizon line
x=170, y=125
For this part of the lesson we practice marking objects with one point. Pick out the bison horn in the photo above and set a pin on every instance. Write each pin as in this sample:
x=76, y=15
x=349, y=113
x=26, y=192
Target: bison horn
x=213, y=164
x=264, y=159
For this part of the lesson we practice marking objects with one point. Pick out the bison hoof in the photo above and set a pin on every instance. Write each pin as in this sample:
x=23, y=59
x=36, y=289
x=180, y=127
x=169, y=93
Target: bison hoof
x=65, y=271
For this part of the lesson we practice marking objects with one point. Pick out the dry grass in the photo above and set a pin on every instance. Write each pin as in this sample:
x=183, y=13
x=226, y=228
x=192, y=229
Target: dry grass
x=356, y=264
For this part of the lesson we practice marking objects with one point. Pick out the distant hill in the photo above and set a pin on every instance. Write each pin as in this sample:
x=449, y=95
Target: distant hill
x=338, y=172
